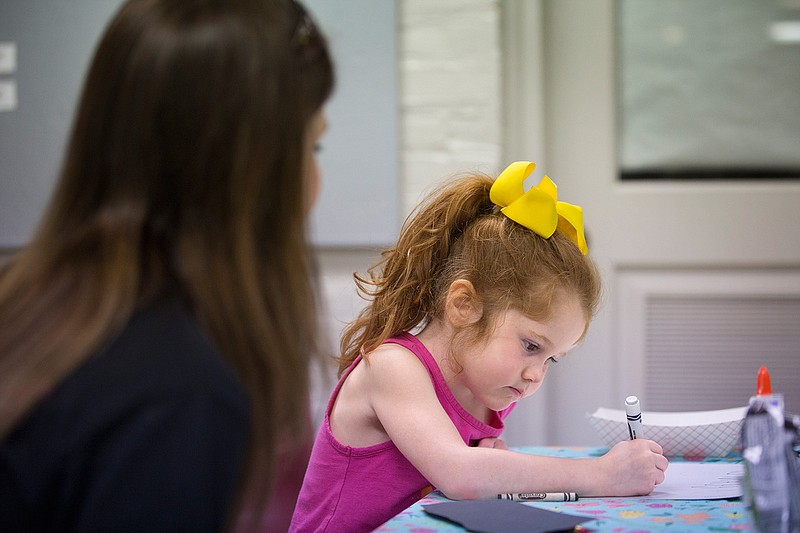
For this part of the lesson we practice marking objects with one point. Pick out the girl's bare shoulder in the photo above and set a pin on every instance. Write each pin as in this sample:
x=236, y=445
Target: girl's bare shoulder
x=392, y=361
x=389, y=376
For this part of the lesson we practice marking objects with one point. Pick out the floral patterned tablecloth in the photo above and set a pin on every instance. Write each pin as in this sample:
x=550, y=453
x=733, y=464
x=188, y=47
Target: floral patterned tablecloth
x=617, y=515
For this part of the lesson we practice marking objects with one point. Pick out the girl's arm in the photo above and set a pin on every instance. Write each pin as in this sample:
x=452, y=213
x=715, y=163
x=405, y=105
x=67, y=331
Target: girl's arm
x=402, y=396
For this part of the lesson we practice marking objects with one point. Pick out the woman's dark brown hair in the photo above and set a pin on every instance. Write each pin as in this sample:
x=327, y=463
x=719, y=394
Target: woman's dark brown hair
x=183, y=175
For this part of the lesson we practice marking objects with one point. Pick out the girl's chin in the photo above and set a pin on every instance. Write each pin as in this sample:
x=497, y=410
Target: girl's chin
x=505, y=403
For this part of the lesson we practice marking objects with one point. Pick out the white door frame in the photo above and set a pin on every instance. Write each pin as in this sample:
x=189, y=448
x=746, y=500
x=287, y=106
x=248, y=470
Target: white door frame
x=561, y=53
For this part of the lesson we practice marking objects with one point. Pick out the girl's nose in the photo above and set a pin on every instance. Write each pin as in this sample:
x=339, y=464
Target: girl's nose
x=535, y=371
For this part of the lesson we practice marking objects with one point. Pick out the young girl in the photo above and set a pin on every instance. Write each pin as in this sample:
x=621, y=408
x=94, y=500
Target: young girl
x=496, y=283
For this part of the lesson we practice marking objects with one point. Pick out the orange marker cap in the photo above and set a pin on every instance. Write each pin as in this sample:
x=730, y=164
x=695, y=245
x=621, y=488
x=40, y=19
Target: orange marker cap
x=763, y=385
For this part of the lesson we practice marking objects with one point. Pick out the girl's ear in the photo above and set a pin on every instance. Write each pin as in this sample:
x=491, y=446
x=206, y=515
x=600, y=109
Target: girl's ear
x=462, y=307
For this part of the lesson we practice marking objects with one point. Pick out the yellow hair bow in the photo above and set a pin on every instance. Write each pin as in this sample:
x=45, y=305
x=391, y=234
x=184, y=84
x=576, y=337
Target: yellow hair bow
x=538, y=209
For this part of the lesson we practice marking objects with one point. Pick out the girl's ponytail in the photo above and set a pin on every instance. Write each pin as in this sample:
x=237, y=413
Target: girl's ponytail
x=402, y=286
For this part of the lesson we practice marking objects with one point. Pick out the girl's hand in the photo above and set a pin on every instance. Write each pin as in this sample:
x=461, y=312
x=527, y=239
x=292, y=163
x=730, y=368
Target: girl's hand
x=492, y=442
x=631, y=468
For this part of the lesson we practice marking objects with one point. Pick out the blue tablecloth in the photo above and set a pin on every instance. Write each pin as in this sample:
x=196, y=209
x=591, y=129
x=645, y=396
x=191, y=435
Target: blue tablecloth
x=617, y=515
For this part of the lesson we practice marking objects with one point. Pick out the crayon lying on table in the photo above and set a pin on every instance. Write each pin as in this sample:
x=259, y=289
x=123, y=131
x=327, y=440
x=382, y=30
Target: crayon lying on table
x=539, y=496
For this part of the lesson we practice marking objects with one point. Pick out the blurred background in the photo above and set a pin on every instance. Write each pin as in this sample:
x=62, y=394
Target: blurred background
x=674, y=123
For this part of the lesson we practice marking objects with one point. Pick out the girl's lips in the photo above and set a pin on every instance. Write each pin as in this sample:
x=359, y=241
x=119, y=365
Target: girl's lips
x=517, y=392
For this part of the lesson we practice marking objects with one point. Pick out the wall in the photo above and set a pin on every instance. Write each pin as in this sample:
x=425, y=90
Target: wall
x=450, y=122
x=360, y=146
x=54, y=42
x=450, y=96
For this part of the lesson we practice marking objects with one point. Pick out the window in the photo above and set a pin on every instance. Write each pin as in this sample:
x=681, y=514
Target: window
x=708, y=89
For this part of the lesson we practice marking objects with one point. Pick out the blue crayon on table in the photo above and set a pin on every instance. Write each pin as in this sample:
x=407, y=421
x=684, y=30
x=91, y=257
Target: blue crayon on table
x=539, y=496
x=633, y=412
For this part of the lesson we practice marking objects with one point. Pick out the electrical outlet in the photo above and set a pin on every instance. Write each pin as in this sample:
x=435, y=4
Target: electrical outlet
x=8, y=95
x=8, y=57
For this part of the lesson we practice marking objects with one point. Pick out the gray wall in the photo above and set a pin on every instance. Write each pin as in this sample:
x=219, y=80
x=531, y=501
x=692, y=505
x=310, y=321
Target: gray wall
x=55, y=39
x=54, y=42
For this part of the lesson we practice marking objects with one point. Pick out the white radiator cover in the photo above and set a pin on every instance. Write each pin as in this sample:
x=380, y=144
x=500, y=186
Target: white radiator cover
x=694, y=339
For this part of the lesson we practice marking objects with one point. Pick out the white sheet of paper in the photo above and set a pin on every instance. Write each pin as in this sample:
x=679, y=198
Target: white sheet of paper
x=700, y=481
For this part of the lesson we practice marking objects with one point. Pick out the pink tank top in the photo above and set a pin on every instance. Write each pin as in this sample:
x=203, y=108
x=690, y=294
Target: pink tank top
x=350, y=489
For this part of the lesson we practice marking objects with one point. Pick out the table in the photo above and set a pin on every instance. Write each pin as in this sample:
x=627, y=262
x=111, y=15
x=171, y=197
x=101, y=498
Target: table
x=617, y=515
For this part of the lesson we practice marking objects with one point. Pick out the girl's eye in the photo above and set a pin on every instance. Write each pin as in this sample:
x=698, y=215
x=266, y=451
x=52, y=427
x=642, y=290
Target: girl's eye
x=552, y=360
x=317, y=148
x=531, y=346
